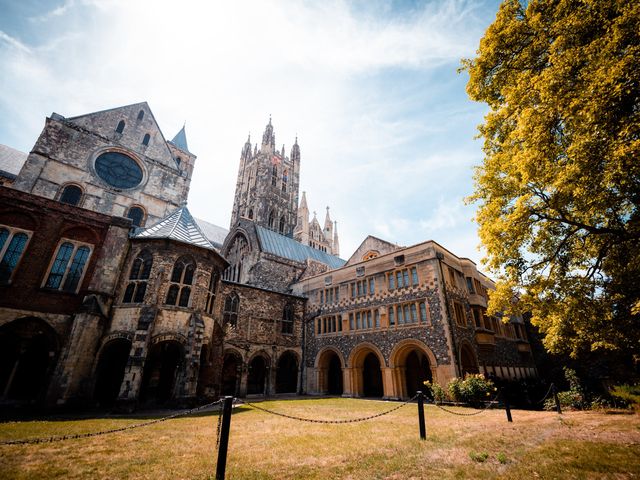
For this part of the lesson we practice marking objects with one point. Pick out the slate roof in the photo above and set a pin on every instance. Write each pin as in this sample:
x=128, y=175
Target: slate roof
x=179, y=226
x=214, y=233
x=11, y=161
x=180, y=140
x=276, y=244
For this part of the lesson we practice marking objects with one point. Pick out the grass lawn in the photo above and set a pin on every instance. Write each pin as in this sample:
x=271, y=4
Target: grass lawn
x=262, y=446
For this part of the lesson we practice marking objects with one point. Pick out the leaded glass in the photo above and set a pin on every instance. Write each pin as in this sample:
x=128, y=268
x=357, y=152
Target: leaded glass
x=59, y=265
x=12, y=255
x=118, y=170
x=75, y=270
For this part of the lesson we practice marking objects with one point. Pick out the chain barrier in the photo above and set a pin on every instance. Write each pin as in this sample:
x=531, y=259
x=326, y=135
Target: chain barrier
x=545, y=396
x=30, y=441
x=312, y=420
x=469, y=414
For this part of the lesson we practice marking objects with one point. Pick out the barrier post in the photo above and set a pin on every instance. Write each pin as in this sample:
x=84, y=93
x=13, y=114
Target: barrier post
x=423, y=428
x=224, y=438
x=507, y=406
x=555, y=397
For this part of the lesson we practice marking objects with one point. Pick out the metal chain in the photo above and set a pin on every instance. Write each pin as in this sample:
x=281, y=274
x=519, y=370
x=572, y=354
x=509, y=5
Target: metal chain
x=28, y=441
x=545, y=395
x=469, y=414
x=312, y=420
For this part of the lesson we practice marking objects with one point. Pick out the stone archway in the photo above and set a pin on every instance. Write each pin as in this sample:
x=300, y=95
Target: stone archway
x=468, y=361
x=164, y=363
x=257, y=375
x=287, y=373
x=110, y=371
x=231, y=370
x=329, y=372
x=412, y=363
x=366, y=371
x=28, y=352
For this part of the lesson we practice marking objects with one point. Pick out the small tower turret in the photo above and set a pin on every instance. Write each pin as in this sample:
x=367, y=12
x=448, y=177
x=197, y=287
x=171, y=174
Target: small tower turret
x=336, y=243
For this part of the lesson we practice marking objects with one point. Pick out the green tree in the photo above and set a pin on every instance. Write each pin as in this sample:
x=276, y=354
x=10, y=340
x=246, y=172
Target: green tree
x=559, y=187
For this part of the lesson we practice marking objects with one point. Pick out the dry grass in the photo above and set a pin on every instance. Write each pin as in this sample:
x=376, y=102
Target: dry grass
x=263, y=446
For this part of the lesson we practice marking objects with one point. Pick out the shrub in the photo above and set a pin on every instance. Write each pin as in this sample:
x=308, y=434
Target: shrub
x=435, y=391
x=474, y=389
x=502, y=458
x=629, y=394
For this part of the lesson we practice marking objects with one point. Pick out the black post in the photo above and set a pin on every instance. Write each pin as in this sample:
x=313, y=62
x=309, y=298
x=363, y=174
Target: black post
x=555, y=397
x=224, y=438
x=423, y=428
x=507, y=407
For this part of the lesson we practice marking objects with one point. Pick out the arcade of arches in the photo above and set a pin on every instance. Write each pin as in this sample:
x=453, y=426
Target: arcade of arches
x=259, y=375
x=366, y=373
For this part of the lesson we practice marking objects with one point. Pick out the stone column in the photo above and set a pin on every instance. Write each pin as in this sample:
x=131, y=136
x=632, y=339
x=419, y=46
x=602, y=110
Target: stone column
x=347, y=382
x=388, y=384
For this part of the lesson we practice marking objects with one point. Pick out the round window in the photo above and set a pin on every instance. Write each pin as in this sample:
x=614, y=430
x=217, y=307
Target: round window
x=118, y=170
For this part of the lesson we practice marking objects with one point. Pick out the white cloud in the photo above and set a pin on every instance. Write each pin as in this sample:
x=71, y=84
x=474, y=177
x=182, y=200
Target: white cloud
x=319, y=68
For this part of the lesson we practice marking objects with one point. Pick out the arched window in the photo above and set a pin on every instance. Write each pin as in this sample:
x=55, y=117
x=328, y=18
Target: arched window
x=231, y=305
x=120, y=127
x=145, y=139
x=281, y=225
x=287, y=319
x=211, y=291
x=272, y=219
x=136, y=214
x=285, y=178
x=181, y=280
x=68, y=267
x=140, y=114
x=178, y=161
x=251, y=214
x=12, y=246
x=138, y=278
x=236, y=254
x=71, y=194
x=274, y=175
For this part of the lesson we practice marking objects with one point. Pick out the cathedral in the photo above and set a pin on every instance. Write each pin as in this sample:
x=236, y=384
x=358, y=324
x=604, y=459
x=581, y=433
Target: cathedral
x=113, y=295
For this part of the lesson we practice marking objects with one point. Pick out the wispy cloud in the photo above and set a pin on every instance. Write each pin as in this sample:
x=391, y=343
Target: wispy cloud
x=382, y=118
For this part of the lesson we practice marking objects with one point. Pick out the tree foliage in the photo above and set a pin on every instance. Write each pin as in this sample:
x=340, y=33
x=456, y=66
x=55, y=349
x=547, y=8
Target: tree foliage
x=559, y=188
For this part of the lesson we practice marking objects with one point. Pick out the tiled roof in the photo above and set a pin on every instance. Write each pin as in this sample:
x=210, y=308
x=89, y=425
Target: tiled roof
x=179, y=226
x=214, y=233
x=11, y=161
x=276, y=244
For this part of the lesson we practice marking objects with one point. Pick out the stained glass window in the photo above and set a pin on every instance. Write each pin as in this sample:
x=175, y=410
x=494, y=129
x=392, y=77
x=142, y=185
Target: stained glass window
x=118, y=170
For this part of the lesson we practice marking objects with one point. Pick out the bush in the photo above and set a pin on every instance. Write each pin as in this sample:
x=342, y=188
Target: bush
x=435, y=391
x=628, y=394
x=569, y=400
x=479, y=457
x=474, y=389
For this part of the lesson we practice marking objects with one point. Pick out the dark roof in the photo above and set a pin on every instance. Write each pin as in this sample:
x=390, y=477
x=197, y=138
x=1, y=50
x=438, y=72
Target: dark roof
x=179, y=226
x=11, y=161
x=180, y=140
x=286, y=247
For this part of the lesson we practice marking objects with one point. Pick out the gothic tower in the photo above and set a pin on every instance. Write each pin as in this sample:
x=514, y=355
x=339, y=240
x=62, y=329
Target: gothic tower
x=267, y=185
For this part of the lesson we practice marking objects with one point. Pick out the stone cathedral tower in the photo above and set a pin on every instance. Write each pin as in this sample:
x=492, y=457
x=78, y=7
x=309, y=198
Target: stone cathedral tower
x=267, y=185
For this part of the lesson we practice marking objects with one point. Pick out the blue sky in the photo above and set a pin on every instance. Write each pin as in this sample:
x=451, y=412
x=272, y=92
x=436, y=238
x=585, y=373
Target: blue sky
x=385, y=127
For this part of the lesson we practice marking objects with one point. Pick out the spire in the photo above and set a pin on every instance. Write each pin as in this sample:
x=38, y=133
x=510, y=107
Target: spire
x=246, y=150
x=295, y=150
x=180, y=140
x=303, y=203
x=268, y=137
x=336, y=243
x=328, y=224
x=282, y=155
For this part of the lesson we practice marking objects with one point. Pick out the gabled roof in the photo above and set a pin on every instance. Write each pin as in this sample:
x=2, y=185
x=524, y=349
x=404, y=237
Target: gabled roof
x=179, y=226
x=180, y=140
x=286, y=247
x=372, y=243
x=214, y=233
x=11, y=161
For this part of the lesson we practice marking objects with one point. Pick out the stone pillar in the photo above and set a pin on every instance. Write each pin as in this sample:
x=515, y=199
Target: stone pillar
x=388, y=384
x=132, y=381
x=72, y=380
x=347, y=382
x=243, y=379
